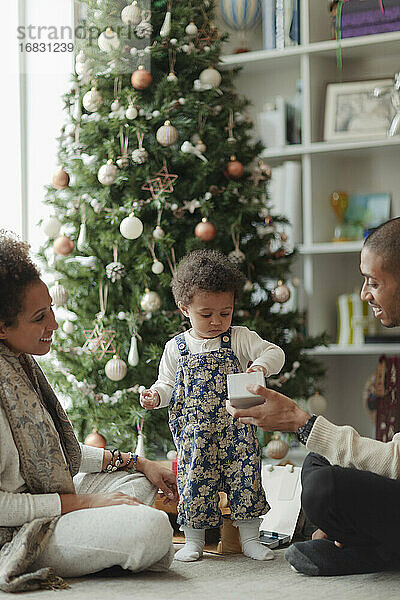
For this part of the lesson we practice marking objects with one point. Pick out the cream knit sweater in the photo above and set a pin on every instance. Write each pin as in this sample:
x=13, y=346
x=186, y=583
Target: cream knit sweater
x=18, y=507
x=343, y=446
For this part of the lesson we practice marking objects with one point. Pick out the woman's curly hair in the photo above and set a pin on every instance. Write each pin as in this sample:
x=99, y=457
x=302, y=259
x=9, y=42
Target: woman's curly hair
x=17, y=271
x=206, y=271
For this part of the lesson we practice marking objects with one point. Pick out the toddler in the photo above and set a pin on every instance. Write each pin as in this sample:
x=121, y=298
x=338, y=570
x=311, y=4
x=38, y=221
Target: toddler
x=214, y=451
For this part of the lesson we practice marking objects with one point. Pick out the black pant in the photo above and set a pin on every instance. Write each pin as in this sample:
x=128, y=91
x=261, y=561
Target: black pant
x=351, y=506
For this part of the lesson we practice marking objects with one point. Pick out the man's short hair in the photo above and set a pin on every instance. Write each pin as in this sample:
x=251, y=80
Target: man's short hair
x=385, y=242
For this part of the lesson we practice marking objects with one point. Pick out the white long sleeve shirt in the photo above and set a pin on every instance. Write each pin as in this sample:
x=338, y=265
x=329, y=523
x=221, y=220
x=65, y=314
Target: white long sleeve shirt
x=247, y=345
x=16, y=505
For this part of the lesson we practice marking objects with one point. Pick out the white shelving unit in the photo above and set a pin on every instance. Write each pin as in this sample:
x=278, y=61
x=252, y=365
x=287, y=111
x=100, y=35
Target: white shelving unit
x=327, y=268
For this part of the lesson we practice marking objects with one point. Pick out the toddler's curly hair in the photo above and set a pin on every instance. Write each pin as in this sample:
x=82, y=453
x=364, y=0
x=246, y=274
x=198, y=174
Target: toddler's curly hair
x=208, y=271
x=17, y=271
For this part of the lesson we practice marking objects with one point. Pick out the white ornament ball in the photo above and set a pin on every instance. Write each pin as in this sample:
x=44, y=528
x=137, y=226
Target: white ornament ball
x=80, y=57
x=317, y=404
x=167, y=134
x=173, y=41
x=131, y=15
x=107, y=173
x=210, y=76
x=133, y=51
x=131, y=113
x=157, y=267
x=131, y=227
x=171, y=454
x=172, y=77
x=59, y=294
x=181, y=101
x=296, y=282
x=158, y=233
x=68, y=327
x=139, y=156
x=191, y=29
x=150, y=301
x=116, y=105
x=108, y=40
x=121, y=315
x=52, y=227
x=92, y=100
x=115, y=369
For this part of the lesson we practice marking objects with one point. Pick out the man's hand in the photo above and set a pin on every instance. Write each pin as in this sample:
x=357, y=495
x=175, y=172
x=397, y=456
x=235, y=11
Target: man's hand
x=278, y=413
x=72, y=502
x=160, y=476
x=321, y=535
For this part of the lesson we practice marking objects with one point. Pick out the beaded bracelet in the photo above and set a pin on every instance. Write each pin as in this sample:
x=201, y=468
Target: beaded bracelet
x=114, y=466
x=132, y=459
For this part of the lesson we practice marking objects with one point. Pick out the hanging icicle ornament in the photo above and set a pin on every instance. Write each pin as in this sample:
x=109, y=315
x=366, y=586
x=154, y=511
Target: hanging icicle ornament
x=191, y=29
x=115, y=270
x=167, y=134
x=123, y=160
x=51, y=227
x=108, y=173
x=131, y=227
x=157, y=267
x=92, y=100
x=236, y=256
x=231, y=138
x=140, y=155
x=139, y=450
x=60, y=179
x=59, y=294
x=166, y=26
x=82, y=237
x=108, y=40
x=211, y=77
x=63, y=245
x=150, y=301
x=281, y=293
x=133, y=356
x=205, y=231
x=115, y=368
x=100, y=341
x=131, y=14
x=141, y=79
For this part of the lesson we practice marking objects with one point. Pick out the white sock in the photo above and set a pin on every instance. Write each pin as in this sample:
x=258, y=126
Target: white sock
x=194, y=544
x=249, y=536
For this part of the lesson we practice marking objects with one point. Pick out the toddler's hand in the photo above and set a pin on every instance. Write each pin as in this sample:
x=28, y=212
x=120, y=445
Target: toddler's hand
x=149, y=399
x=256, y=368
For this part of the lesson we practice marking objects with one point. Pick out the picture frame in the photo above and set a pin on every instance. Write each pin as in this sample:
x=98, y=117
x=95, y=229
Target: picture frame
x=368, y=210
x=353, y=112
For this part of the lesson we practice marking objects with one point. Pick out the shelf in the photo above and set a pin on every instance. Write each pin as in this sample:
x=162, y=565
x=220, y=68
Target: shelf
x=336, y=350
x=298, y=150
x=352, y=48
x=331, y=247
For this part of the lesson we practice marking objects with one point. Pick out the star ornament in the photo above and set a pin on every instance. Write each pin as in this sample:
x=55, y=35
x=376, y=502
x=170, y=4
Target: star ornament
x=207, y=35
x=99, y=341
x=162, y=182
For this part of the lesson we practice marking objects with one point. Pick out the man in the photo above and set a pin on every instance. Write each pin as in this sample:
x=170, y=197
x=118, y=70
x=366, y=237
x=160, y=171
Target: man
x=351, y=484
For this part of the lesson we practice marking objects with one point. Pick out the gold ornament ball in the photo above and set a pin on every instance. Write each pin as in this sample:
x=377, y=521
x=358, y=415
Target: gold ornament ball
x=63, y=245
x=96, y=440
x=205, y=231
x=167, y=134
x=141, y=79
x=235, y=168
x=281, y=293
x=150, y=301
x=60, y=179
x=277, y=448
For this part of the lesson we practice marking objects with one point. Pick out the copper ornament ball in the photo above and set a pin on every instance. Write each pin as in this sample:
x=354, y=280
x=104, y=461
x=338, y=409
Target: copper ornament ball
x=63, y=245
x=96, y=440
x=205, y=231
x=60, y=179
x=141, y=79
x=235, y=168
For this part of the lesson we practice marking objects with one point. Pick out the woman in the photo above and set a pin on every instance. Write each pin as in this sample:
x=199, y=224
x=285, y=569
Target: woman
x=49, y=523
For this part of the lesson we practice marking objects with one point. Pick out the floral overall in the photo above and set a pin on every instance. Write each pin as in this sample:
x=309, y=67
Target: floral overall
x=215, y=451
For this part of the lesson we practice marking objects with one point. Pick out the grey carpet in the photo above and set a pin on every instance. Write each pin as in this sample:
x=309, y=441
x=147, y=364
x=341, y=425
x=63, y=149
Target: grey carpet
x=225, y=578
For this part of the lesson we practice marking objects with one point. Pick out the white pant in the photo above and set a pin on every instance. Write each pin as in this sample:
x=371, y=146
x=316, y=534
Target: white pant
x=89, y=540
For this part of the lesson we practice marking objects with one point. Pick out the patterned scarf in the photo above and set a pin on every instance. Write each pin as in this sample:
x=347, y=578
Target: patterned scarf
x=49, y=456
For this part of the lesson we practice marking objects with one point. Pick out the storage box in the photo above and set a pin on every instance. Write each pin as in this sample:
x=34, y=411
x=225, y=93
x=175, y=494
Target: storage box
x=364, y=17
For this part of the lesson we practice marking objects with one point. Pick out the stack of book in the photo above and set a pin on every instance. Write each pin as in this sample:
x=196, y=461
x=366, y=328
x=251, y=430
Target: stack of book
x=281, y=23
x=365, y=17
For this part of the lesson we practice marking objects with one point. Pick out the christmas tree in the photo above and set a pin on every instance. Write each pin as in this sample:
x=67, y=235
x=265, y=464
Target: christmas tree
x=156, y=159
